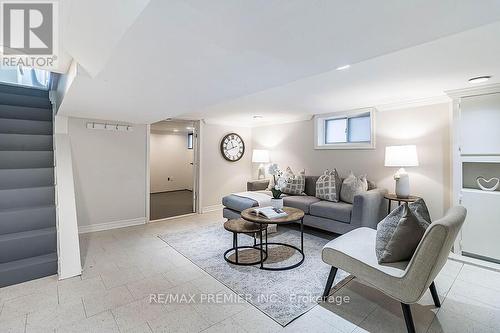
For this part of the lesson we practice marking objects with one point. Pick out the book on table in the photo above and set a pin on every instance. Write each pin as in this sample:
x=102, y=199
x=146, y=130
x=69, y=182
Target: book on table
x=269, y=212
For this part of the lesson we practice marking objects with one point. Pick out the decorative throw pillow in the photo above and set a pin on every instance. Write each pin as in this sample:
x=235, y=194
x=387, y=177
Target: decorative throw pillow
x=296, y=183
x=398, y=235
x=351, y=186
x=419, y=209
x=328, y=186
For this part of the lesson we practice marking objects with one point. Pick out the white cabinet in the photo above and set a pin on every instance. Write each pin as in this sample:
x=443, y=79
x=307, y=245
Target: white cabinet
x=481, y=231
x=476, y=152
x=480, y=124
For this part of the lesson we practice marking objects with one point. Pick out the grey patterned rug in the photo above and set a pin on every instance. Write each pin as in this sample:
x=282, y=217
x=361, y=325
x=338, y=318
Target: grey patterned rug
x=281, y=295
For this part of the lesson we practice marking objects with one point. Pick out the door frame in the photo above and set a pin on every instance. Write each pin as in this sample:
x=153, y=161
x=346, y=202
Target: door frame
x=196, y=172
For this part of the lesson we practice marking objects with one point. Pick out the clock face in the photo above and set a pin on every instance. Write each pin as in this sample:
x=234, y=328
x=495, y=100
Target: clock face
x=232, y=147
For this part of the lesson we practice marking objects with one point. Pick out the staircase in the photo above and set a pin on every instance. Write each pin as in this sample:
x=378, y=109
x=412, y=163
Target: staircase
x=28, y=238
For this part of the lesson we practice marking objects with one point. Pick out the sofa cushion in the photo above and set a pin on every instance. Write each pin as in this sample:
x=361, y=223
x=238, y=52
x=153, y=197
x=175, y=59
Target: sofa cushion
x=296, y=183
x=301, y=202
x=398, y=235
x=238, y=203
x=419, y=208
x=354, y=252
x=351, y=186
x=328, y=186
x=310, y=188
x=258, y=185
x=339, y=211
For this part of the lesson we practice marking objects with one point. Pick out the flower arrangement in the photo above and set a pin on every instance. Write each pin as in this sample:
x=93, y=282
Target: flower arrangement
x=280, y=180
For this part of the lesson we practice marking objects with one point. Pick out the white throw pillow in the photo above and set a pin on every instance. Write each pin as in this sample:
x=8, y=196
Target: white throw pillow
x=328, y=186
x=296, y=183
x=352, y=186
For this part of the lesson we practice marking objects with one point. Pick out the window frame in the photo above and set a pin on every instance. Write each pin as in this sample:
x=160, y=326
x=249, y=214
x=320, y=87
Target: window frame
x=320, y=130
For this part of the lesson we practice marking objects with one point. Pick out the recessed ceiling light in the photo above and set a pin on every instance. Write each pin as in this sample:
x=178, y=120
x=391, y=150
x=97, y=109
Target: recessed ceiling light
x=479, y=79
x=189, y=128
x=343, y=67
x=176, y=130
x=258, y=117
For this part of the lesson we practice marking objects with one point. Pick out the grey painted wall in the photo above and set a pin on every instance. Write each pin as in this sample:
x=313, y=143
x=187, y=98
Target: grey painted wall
x=110, y=172
x=427, y=127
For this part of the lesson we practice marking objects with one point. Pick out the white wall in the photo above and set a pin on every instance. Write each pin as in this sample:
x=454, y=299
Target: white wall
x=218, y=176
x=110, y=174
x=170, y=158
x=428, y=127
x=68, y=247
x=110, y=167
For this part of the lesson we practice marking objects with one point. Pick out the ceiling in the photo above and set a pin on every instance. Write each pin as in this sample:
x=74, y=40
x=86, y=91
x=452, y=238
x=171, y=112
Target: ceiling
x=415, y=76
x=226, y=60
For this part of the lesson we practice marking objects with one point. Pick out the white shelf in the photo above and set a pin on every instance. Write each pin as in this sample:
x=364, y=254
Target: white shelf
x=480, y=158
x=473, y=190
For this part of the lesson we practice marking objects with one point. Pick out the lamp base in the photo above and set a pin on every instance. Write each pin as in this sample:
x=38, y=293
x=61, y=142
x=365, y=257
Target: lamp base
x=402, y=184
x=262, y=172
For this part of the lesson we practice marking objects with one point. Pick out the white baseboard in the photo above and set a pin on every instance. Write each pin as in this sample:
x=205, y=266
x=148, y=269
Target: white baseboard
x=474, y=262
x=111, y=225
x=173, y=217
x=212, y=208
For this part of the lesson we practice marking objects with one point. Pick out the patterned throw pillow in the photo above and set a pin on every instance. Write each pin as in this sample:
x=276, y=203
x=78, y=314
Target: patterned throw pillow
x=296, y=184
x=419, y=209
x=352, y=186
x=328, y=186
x=398, y=235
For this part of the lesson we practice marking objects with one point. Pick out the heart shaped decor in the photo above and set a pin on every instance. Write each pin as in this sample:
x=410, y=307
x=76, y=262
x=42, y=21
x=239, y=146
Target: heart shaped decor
x=493, y=183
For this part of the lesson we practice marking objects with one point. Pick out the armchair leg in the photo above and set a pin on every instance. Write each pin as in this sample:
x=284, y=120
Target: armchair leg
x=329, y=282
x=410, y=326
x=435, y=295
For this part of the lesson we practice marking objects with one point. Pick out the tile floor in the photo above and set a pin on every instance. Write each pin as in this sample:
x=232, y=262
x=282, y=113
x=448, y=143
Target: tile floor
x=123, y=266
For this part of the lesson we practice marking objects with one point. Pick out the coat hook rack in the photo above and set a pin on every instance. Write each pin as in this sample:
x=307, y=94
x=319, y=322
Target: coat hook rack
x=110, y=127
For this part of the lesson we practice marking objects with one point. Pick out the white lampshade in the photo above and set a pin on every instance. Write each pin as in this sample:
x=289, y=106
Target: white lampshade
x=260, y=156
x=401, y=156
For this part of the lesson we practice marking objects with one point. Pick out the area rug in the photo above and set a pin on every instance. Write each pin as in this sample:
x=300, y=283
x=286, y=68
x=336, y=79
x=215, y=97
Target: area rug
x=281, y=295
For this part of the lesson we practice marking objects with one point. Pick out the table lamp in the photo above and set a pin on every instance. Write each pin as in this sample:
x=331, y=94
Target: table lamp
x=400, y=157
x=260, y=156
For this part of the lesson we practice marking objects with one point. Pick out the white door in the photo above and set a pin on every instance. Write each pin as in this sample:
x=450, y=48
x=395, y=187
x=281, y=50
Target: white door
x=481, y=229
x=479, y=125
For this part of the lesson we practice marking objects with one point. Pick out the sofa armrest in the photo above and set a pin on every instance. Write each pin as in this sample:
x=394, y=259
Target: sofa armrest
x=257, y=185
x=369, y=208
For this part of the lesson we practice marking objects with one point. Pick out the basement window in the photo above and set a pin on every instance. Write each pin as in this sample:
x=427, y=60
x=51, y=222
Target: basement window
x=190, y=140
x=347, y=130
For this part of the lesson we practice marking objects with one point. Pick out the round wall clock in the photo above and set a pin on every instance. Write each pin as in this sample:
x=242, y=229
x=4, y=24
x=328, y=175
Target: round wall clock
x=232, y=147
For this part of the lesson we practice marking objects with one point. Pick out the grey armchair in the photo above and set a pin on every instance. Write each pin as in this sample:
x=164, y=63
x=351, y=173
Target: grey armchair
x=405, y=281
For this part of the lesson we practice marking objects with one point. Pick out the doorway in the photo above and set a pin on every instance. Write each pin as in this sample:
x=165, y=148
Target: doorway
x=172, y=169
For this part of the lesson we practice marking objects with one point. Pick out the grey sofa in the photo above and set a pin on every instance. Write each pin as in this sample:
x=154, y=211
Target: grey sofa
x=338, y=217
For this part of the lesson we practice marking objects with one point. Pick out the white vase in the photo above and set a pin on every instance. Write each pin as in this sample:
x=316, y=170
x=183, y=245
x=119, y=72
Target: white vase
x=277, y=203
x=403, y=186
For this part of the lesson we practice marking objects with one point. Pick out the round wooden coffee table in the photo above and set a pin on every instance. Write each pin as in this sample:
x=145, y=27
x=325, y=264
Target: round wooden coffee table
x=241, y=226
x=294, y=215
